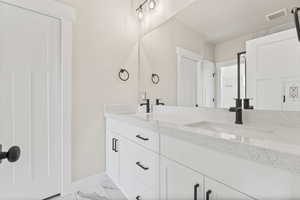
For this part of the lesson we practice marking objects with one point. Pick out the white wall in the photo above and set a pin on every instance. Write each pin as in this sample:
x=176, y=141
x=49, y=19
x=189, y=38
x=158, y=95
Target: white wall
x=105, y=39
x=165, y=10
x=228, y=50
x=158, y=55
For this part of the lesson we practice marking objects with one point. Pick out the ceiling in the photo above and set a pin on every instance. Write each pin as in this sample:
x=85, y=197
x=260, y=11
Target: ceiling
x=221, y=20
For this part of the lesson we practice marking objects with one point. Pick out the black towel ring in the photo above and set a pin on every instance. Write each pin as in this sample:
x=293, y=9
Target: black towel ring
x=124, y=75
x=155, y=79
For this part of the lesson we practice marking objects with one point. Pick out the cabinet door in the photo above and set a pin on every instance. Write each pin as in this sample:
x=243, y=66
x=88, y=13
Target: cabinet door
x=112, y=160
x=218, y=191
x=178, y=182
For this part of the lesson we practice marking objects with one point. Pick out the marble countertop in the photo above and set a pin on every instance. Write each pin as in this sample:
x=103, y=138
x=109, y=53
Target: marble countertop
x=274, y=145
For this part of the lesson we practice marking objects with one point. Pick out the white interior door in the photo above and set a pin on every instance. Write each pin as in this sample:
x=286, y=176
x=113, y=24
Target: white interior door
x=273, y=71
x=30, y=103
x=208, y=84
x=187, y=82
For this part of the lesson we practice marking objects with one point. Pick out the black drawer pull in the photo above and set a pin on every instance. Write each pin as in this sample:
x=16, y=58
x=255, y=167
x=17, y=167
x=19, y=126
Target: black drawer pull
x=138, y=198
x=142, y=138
x=116, y=145
x=196, y=191
x=208, y=193
x=141, y=166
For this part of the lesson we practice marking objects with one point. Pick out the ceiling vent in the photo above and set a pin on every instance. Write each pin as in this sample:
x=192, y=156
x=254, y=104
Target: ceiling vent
x=276, y=15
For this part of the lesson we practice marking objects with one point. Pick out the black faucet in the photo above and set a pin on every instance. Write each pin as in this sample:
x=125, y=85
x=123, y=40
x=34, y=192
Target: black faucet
x=158, y=103
x=147, y=104
x=238, y=109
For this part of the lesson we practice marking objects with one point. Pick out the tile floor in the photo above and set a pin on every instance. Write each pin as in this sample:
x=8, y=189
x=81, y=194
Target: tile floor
x=105, y=190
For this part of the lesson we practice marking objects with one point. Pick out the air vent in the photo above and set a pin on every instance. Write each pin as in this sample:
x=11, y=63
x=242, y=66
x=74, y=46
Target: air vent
x=276, y=15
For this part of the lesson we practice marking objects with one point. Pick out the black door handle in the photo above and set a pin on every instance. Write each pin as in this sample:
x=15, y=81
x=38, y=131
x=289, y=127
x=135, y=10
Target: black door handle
x=116, y=145
x=141, y=166
x=196, y=191
x=12, y=155
x=113, y=144
x=208, y=193
x=142, y=138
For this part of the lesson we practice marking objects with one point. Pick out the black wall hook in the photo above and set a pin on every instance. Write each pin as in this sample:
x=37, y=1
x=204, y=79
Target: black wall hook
x=155, y=79
x=124, y=75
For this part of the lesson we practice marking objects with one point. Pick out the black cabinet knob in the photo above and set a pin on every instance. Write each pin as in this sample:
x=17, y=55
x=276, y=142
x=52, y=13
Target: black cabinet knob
x=12, y=155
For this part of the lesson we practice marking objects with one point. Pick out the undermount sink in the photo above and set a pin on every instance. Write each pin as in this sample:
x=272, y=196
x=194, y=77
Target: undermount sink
x=230, y=129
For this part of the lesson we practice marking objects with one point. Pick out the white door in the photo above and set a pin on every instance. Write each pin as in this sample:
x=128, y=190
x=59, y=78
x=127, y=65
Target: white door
x=208, y=84
x=30, y=103
x=218, y=191
x=291, y=95
x=187, y=82
x=273, y=66
x=178, y=182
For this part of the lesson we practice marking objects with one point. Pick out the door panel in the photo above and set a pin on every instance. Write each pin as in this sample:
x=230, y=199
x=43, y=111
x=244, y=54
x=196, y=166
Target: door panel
x=30, y=103
x=273, y=61
x=187, y=91
x=208, y=84
x=178, y=182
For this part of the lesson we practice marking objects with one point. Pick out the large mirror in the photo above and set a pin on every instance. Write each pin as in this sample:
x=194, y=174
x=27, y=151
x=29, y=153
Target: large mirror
x=193, y=57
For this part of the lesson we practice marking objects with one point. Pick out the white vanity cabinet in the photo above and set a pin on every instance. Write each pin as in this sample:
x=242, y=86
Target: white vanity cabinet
x=178, y=182
x=133, y=159
x=168, y=164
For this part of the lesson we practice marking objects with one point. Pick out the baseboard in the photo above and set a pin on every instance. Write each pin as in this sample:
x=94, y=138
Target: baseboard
x=84, y=183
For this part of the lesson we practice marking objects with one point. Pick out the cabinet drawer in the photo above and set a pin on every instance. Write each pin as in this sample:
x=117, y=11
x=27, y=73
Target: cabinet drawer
x=145, y=193
x=144, y=137
x=142, y=163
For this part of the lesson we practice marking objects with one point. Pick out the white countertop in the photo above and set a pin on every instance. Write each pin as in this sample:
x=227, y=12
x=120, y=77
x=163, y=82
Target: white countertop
x=274, y=145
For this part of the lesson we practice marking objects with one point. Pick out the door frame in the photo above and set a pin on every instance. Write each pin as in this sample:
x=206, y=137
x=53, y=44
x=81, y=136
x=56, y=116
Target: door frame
x=181, y=52
x=66, y=15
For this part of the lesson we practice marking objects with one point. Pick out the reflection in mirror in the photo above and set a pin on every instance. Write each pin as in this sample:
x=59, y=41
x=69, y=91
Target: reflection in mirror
x=195, y=54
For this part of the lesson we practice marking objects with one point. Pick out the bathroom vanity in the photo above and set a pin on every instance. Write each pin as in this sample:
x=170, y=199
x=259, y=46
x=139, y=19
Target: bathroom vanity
x=186, y=153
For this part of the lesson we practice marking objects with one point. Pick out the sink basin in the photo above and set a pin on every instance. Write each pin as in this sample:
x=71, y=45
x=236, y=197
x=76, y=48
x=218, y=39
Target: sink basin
x=231, y=129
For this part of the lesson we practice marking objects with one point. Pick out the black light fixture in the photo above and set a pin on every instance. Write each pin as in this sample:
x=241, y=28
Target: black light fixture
x=140, y=10
x=152, y=4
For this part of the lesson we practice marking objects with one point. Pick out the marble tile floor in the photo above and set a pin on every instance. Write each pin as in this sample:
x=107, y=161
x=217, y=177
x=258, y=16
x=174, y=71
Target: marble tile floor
x=105, y=190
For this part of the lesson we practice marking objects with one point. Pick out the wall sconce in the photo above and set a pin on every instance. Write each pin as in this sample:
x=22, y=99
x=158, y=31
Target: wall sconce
x=140, y=9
